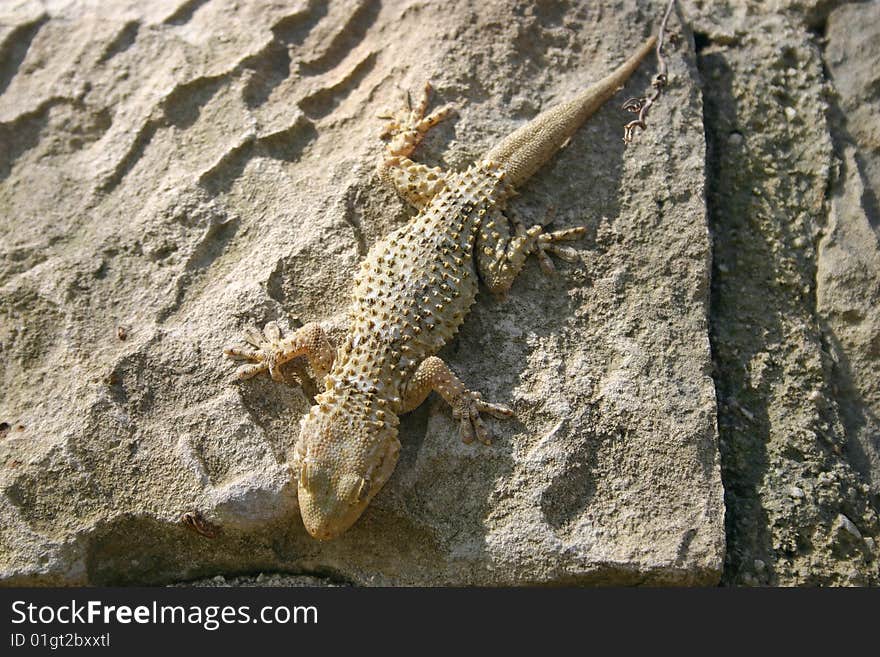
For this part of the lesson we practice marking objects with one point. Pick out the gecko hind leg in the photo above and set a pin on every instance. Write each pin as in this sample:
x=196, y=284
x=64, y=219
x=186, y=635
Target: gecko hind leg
x=434, y=374
x=502, y=256
x=271, y=350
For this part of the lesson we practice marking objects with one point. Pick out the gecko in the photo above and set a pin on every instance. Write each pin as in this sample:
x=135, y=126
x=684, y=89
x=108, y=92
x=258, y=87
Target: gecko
x=411, y=295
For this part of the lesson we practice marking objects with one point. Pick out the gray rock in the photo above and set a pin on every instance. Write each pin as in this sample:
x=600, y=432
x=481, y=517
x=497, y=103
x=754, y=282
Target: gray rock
x=178, y=171
x=786, y=271
x=843, y=525
x=848, y=266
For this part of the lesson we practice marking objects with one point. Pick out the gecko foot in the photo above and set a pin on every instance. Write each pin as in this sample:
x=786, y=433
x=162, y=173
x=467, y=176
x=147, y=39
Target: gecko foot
x=272, y=350
x=267, y=354
x=407, y=127
x=467, y=408
x=542, y=244
x=546, y=244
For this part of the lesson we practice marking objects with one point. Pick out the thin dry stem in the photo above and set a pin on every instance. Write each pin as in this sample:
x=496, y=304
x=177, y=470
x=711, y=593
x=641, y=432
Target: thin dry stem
x=642, y=106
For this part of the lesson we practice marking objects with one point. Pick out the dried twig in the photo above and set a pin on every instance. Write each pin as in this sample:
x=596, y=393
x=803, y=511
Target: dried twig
x=196, y=521
x=642, y=106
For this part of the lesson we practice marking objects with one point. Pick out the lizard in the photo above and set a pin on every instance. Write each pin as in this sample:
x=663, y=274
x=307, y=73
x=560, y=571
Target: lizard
x=411, y=295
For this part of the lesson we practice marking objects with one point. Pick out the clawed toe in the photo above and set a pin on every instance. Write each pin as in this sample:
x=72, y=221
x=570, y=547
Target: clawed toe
x=240, y=354
x=250, y=371
x=472, y=425
x=563, y=253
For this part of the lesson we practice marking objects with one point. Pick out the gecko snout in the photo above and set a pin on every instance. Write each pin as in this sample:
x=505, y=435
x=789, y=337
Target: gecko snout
x=324, y=515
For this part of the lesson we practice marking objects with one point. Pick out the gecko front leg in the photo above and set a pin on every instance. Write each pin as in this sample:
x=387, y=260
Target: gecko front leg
x=272, y=350
x=416, y=183
x=434, y=374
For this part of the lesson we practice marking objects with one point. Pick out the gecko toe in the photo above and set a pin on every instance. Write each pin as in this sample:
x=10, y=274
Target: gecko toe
x=250, y=371
x=240, y=354
x=563, y=253
x=480, y=429
x=498, y=410
x=466, y=430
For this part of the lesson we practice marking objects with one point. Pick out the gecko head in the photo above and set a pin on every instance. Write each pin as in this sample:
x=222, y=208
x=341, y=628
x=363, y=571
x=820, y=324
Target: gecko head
x=347, y=450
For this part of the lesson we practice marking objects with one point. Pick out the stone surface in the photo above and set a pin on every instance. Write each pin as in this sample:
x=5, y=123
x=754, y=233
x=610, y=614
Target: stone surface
x=179, y=170
x=848, y=265
x=794, y=290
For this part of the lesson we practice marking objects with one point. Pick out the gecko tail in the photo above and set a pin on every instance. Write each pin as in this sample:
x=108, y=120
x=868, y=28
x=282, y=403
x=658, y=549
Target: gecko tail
x=528, y=148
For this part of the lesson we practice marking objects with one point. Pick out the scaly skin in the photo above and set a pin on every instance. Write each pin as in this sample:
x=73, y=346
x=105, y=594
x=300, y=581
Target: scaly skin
x=411, y=295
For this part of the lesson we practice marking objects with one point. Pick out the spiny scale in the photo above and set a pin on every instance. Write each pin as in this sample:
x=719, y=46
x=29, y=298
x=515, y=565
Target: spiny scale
x=415, y=288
